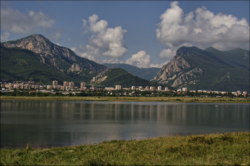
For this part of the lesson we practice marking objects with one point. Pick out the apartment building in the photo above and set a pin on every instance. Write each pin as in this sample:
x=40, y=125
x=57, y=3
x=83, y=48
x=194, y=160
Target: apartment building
x=54, y=83
x=118, y=87
x=159, y=88
x=65, y=83
x=152, y=88
x=71, y=84
x=83, y=85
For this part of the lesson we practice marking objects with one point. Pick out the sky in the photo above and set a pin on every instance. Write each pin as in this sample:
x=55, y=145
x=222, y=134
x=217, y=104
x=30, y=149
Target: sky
x=140, y=33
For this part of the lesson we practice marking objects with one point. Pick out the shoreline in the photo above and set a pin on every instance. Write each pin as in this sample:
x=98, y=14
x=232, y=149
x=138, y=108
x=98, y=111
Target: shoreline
x=130, y=99
x=203, y=149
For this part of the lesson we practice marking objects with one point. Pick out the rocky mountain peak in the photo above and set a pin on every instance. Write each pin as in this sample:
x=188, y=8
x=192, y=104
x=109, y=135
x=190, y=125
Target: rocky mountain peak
x=54, y=55
x=41, y=45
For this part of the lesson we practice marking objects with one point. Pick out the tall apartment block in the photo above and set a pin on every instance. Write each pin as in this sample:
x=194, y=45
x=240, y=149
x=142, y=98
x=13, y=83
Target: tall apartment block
x=65, y=83
x=83, y=85
x=159, y=88
x=71, y=84
x=54, y=83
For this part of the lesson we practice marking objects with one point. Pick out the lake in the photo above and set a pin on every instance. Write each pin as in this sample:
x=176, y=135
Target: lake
x=67, y=123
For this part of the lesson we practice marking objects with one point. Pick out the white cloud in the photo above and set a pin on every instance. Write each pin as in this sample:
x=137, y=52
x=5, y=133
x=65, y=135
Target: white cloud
x=201, y=28
x=167, y=53
x=58, y=44
x=5, y=36
x=159, y=65
x=16, y=22
x=113, y=60
x=97, y=26
x=88, y=52
x=104, y=41
x=141, y=60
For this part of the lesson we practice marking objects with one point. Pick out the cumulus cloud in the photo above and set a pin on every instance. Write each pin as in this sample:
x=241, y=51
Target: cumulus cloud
x=201, y=28
x=5, y=36
x=167, y=53
x=88, y=52
x=104, y=41
x=159, y=65
x=141, y=59
x=16, y=22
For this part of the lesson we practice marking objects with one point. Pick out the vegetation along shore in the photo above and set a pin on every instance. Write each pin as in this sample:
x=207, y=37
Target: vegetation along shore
x=215, y=149
x=131, y=99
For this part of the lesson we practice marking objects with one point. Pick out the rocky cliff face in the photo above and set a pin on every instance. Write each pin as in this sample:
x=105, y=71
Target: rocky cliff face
x=51, y=54
x=100, y=77
x=178, y=72
x=75, y=67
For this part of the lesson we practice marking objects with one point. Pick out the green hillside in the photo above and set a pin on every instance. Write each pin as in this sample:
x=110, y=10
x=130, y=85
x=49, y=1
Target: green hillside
x=145, y=73
x=236, y=57
x=118, y=76
x=223, y=70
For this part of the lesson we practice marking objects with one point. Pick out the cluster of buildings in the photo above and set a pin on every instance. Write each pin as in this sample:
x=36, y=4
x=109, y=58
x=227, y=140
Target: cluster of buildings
x=70, y=86
x=139, y=88
x=31, y=85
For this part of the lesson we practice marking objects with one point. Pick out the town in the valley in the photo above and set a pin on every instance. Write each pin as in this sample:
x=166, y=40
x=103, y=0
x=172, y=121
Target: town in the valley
x=69, y=88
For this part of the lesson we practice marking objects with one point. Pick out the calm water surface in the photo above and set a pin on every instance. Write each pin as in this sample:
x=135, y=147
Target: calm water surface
x=67, y=123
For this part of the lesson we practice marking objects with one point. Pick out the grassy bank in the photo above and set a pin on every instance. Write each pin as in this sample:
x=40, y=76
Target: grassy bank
x=216, y=149
x=139, y=99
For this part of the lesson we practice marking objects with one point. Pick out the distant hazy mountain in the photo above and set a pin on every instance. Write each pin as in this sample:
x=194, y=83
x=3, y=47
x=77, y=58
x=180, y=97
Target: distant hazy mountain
x=44, y=56
x=208, y=69
x=145, y=73
x=118, y=76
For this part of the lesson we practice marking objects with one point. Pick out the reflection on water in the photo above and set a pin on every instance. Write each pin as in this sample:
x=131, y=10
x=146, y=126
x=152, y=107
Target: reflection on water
x=61, y=123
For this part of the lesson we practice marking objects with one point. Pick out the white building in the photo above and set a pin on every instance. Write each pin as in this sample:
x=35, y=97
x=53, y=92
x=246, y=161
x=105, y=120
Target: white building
x=159, y=88
x=184, y=89
x=178, y=90
x=235, y=93
x=166, y=89
x=239, y=92
x=133, y=87
x=109, y=88
x=118, y=87
x=152, y=88
x=140, y=88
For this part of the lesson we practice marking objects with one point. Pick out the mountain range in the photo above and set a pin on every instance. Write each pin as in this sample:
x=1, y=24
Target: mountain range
x=38, y=59
x=208, y=69
x=35, y=58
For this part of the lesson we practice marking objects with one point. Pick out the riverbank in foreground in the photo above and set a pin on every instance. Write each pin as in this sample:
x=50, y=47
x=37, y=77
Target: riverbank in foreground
x=130, y=99
x=215, y=149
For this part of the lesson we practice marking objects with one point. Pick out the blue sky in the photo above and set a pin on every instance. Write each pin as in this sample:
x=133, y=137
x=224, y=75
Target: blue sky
x=129, y=32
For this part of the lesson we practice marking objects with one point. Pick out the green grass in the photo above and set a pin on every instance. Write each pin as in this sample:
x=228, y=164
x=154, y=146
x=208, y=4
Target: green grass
x=210, y=149
x=135, y=99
